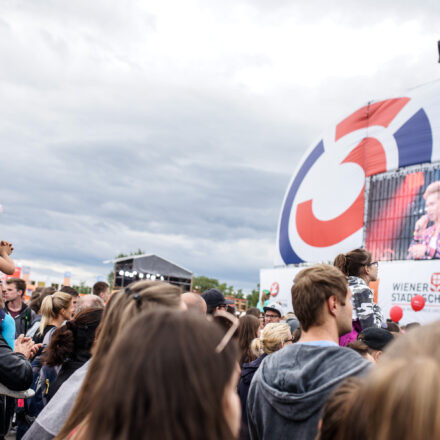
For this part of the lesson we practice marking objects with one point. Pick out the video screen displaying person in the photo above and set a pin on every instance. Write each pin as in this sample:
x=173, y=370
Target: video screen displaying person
x=403, y=215
x=426, y=244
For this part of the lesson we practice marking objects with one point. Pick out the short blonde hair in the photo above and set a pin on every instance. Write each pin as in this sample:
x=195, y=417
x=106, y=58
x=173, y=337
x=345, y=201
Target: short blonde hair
x=272, y=338
x=432, y=188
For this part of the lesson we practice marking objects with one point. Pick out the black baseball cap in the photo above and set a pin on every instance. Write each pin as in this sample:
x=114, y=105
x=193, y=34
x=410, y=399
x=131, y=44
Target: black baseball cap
x=376, y=338
x=215, y=298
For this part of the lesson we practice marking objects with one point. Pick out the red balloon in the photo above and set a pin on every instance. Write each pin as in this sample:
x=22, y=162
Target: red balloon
x=417, y=303
x=396, y=313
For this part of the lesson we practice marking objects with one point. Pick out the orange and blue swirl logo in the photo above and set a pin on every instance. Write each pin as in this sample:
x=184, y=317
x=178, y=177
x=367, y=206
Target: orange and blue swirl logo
x=323, y=209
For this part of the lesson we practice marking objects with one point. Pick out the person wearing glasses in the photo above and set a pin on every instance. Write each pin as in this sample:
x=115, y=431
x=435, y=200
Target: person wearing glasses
x=215, y=301
x=360, y=270
x=272, y=313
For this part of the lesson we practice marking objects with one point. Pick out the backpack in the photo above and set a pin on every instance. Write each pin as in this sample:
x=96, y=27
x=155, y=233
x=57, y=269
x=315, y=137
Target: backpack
x=43, y=376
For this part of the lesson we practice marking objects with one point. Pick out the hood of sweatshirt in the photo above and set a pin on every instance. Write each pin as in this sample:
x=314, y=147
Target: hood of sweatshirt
x=248, y=370
x=296, y=379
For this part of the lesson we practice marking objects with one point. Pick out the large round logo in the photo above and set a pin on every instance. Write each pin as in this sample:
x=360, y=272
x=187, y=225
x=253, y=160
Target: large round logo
x=323, y=210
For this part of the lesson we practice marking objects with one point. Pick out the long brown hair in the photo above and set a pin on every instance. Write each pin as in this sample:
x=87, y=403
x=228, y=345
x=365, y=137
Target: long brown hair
x=247, y=330
x=122, y=307
x=73, y=338
x=335, y=422
x=399, y=400
x=163, y=379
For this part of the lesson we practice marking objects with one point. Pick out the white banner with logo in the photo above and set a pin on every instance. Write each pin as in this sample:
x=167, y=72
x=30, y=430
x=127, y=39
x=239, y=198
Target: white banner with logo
x=398, y=282
x=279, y=282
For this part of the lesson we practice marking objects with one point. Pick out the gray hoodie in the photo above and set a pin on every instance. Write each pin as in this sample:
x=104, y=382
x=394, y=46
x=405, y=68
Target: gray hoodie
x=291, y=386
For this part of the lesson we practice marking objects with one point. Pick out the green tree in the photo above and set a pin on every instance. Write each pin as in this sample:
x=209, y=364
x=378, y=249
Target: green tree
x=82, y=288
x=253, y=298
x=202, y=283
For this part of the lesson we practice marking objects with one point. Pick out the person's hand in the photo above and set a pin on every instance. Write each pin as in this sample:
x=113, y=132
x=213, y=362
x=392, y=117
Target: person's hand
x=421, y=223
x=417, y=251
x=6, y=248
x=25, y=346
x=34, y=350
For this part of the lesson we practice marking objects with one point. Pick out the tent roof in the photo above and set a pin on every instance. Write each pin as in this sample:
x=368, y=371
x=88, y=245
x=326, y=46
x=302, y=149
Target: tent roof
x=154, y=264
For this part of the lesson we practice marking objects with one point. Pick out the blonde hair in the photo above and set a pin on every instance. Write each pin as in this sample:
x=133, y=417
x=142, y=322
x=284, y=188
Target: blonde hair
x=432, y=188
x=271, y=340
x=51, y=308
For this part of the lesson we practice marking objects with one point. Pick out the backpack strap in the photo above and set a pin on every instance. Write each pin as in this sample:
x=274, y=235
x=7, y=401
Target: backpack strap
x=27, y=319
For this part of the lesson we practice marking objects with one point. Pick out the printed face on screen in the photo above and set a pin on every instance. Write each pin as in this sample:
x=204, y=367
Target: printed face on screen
x=433, y=207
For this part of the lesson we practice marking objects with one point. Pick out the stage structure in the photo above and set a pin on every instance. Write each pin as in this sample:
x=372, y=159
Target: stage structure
x=150, y=267
x=372, y=180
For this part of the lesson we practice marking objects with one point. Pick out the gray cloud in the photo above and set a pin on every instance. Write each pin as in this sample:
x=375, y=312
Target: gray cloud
x=122, y=130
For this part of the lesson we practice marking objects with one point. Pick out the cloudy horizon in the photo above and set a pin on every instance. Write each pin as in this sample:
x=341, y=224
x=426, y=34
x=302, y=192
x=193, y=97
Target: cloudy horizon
x=175, y=127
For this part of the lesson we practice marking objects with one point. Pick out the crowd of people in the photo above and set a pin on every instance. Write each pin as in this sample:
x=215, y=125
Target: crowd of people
x=150, y=362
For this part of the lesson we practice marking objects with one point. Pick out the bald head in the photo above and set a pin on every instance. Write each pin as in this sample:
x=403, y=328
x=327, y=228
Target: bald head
x=88, y=301
x=194, y=302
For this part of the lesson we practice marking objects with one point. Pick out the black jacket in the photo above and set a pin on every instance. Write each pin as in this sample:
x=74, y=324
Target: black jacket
x=247, y=373
x=23, y=320
x=16, y=374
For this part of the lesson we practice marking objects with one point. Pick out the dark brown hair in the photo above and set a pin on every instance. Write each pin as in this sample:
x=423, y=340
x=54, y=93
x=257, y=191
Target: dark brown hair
x=247, y=330
x=393, y=327
x=74, y=337
x=352, y=264
x=253, y=311
x=360, y=347
x=312, y=288
x=122, y=307
x=69, y=290
x=335, y=422
x=35, y=303
x=100, y=287
x=174, y=387
x=296, y=335
x=19, y=284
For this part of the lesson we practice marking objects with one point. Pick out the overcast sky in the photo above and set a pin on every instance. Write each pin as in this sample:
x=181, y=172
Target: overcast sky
x=174, y=126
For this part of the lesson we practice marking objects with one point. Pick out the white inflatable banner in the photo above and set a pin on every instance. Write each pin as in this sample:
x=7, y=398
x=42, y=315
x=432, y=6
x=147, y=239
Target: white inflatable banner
x=323, y=209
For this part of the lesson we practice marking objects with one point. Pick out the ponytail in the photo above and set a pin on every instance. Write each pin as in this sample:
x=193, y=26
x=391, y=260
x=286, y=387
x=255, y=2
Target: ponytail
x=272, y=338
x=46, y=313
x=51, y=308
x=352, y=263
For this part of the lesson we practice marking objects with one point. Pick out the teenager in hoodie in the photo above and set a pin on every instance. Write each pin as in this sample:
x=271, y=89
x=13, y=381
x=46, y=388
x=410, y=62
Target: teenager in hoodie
x=291, y=386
